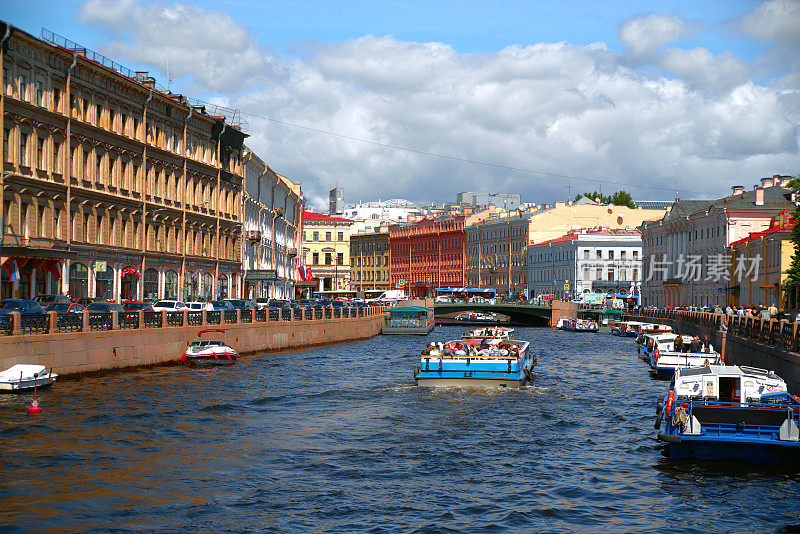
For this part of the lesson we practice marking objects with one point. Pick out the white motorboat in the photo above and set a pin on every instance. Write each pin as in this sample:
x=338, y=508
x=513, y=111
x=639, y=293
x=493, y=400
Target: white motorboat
x=210, y=351
x=24, y=376
x=489, y=332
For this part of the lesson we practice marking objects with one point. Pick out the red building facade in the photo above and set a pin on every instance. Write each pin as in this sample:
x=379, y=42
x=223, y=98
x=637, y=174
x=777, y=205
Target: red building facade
x=427, y=255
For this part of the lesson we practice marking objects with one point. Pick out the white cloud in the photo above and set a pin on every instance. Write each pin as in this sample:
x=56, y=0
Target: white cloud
x=645, y=35
x=774, y=21
x=690, y=120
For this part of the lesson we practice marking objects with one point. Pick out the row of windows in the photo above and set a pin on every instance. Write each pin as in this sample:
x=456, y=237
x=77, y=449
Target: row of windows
x=111, y=172
x=498, y=233
x=569, y=254
x=314, y=236
x=36, y=219
x=371, y=262
x=698, y=233
x=95, y=110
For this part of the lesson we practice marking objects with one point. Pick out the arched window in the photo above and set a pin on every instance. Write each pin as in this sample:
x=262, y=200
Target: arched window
x=206, y=286
x=150, y=283
x=171, y=285
x=222, y=286
x=78, y=280
x=103, y=282
x=190, y=287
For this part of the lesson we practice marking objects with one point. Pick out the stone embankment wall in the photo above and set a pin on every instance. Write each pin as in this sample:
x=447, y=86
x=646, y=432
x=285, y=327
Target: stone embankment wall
x=766, y=344
x=563, y=309
x=81, y=352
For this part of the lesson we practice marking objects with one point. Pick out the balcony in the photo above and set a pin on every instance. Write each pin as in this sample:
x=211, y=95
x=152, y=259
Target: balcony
x=254, y=236
x=292, y=252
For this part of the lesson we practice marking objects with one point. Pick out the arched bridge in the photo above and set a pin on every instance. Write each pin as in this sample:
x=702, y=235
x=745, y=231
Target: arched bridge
x=517, y=313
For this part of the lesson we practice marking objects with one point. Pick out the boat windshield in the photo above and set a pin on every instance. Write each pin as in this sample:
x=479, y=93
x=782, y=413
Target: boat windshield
x=207, y=343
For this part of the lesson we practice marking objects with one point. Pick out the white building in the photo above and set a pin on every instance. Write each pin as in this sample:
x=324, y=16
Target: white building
x=371, y=215
x=588, y=260
x=273, y=207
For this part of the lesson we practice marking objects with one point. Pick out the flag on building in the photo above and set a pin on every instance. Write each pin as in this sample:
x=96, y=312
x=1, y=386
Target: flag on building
x=305, y=273
x=13, y=270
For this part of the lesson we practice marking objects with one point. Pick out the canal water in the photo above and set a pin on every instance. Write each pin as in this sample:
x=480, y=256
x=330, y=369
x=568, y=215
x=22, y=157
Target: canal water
x=339, y=439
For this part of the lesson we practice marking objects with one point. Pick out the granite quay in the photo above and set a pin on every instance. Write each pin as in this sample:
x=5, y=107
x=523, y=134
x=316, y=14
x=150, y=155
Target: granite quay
x=88, y=342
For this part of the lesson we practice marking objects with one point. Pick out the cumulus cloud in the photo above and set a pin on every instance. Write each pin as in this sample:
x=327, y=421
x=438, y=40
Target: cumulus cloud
x=645, y=35
x=209, y=47
x=692, y=121
x=774, y=21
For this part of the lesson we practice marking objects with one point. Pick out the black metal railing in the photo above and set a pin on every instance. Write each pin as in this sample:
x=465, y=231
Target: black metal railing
x=100, y=321
x=69, y=322
x=230, y=316
x=152, y=319
x=262, y=315
x=274, y=314
x=194, y=318
x=128, y=320
x=246, y=316
x=175, y=318
x=35, y=324
x=214, y=317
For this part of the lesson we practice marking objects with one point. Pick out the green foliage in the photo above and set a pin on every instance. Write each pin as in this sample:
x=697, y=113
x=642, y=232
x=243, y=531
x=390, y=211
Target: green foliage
x=620, y=198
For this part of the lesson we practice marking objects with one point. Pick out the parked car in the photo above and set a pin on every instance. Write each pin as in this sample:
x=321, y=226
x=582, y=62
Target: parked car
x=196, y=306
x=136, y=306
x=170, y=306
x=242, y=304
x=263, y=302
x=23, y=306
x=105, y=307
x=221, y=305
x=44, y=300
x=65, y=307
x=88, y=301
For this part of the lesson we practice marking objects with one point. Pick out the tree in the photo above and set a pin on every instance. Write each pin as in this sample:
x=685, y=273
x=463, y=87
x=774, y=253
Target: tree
x=620, y=198
x=792, y=283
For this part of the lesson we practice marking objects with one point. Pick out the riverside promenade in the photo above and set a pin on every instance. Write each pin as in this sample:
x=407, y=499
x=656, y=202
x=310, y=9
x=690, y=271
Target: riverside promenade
x=765, y=343
x=80, y=343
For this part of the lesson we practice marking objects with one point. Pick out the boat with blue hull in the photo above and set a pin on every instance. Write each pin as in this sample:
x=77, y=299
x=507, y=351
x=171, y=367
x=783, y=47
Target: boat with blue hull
x=660, y=353
x=580, y=325
x=476, y=362
x=730, y=412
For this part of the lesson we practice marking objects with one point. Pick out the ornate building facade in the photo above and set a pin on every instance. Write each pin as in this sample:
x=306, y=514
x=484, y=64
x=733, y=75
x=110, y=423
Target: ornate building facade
x=369, y=260
x=326, y=250
x=273, y=206
x=111, y=187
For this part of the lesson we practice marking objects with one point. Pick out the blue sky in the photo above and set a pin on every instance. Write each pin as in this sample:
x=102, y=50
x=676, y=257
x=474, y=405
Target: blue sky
x=468, y=26
x=652, y=97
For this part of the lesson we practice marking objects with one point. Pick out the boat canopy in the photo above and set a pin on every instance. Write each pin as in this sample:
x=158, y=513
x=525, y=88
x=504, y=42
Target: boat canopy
x=409, y=310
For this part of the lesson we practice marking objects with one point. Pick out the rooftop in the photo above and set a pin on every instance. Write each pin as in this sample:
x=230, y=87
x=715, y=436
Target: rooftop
x=314, y=216
x=573, y=235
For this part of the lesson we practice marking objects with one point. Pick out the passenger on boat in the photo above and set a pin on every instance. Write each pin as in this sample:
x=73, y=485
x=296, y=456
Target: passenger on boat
x=678, y=342
x=427, y=350
x=695, y=346
x=706, y=344
x=460, y=350
x=447, y=351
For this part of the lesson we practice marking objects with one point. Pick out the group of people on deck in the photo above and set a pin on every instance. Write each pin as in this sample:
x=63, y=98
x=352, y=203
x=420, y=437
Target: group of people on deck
x=696, y=345
x=462, y=348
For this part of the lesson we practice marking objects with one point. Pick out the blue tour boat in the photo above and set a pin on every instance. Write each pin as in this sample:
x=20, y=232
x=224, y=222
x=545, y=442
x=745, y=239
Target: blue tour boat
x=476, y=362
x=730, y=412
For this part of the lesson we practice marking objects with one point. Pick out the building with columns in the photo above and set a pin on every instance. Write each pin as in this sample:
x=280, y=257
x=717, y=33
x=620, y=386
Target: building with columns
x=326, y=250
x=496, y=256
x=685, y=254
x=112, y=187
x=273, y=205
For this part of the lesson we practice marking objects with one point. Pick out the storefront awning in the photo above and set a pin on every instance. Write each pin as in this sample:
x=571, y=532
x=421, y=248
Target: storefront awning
x=131, y=271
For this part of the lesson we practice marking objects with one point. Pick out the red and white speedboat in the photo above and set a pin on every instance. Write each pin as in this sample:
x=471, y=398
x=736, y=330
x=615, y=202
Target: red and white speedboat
x=210, y=351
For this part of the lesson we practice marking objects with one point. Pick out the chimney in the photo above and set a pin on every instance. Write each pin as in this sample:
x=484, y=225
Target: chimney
x=782, y=181
x=737, y=189
x=759, y=195
x=767, y=182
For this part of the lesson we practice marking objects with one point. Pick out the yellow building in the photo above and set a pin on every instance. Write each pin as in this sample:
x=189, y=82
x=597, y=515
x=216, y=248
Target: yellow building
x=553, y=222
x=369, y=260
x=326, y=250
x=759, y=265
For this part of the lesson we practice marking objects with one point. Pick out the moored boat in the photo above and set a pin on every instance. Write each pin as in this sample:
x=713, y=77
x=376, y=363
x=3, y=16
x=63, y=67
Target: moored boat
x=476, y=362
x=730, y=412
x=583, y=325
x=210, y=351
x=489, y=332
x=24, y=376
x=476, y=317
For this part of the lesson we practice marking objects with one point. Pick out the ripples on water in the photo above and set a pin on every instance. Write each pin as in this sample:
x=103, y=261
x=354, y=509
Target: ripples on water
x=338, y=439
